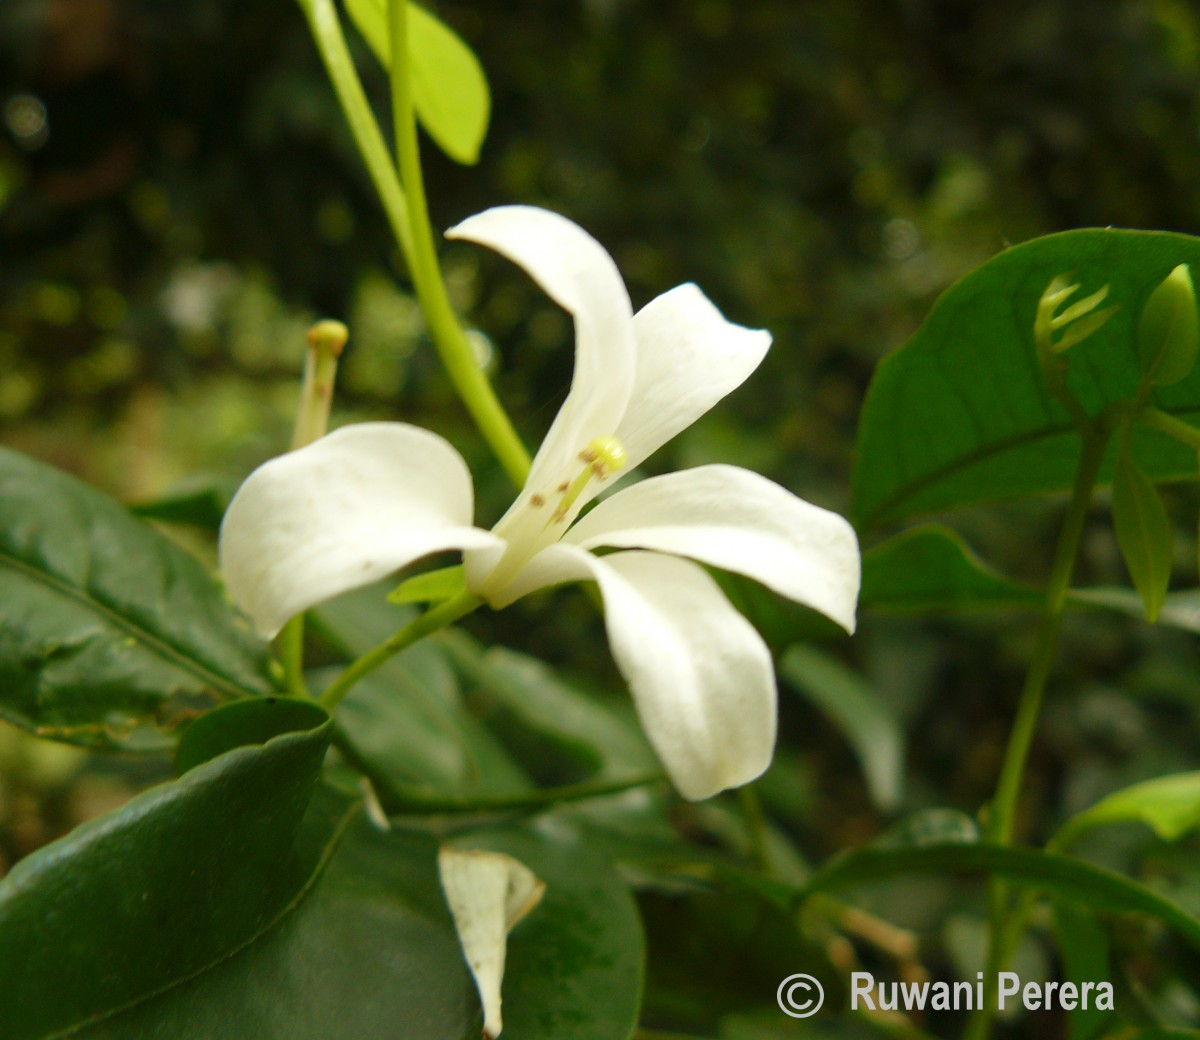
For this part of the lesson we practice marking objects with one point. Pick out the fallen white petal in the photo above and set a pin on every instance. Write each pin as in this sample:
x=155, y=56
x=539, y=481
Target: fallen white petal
x=737, y=520
x=342, y=512
x=688, y=358
x=488, y=893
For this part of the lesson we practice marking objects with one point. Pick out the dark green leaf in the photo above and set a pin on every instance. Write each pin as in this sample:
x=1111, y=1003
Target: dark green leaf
x=450, y=90
x=930, y=569
x=610, y=742
x=200, y=503
x=110, y=635
x=1143, y=531
x=167, y=886
x=868, y=723
x=1067, y=878
x=961, y=414
x=1084, y=947
x=370, y=952
x=409, y=720
x=245, y=722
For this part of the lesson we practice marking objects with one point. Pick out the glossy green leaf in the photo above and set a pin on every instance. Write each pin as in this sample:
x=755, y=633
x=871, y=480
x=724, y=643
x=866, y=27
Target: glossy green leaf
x=1169, y=333
x=450, y=90
x=929, y=570
x=1169, y=805
x=575, y=963
x=960, y=413
x=110, y=634
x=171, y=884
x=1143, y=531
x=1062, y=876
x=370, y=951
x=868, y=722
x=235, y=725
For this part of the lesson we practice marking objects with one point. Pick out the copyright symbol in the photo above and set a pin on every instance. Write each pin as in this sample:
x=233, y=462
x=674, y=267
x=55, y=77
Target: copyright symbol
x=800, y=996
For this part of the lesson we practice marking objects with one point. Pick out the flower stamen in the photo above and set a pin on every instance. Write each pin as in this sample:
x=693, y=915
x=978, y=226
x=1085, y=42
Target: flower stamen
x=602, y=457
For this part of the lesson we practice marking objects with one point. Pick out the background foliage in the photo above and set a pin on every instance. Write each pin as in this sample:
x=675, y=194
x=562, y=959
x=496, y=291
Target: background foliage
x=178, y=198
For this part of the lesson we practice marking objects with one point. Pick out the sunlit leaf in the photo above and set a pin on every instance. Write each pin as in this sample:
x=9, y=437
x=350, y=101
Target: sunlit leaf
x=1170, y=805
x=1169, y=334
x=450, y=90
x=960, y=413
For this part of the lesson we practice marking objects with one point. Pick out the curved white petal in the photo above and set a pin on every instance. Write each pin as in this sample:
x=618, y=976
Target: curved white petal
x=688, y=358
x=739, y=521
x=577, y=273
x=342, y=512
x=700, y=676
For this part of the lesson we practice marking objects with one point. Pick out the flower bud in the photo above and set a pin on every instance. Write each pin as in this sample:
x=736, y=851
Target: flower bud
x=1168, y=335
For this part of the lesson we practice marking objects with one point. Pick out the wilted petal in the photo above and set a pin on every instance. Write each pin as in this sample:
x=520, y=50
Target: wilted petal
x=688, y=358
x=487, y=892
x=739, y=521
x=700, y=676
x=577, y=273
x=342, y=512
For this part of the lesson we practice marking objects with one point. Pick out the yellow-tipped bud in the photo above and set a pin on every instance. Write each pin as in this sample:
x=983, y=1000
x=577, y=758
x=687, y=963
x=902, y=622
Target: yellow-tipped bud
x=328, y=336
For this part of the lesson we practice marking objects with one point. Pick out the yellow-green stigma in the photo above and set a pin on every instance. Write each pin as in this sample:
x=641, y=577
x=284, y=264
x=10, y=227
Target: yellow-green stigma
x=602, y=457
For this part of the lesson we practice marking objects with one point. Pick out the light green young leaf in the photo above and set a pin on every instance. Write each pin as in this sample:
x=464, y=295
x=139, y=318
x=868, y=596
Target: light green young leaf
x=430, y=587
x=1169, y=805
x=1169, y=333
x=1143, y=531
x=867, y=722
x=450, y=90
x=962, y=413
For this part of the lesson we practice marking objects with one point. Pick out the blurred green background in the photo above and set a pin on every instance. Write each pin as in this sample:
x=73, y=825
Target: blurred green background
x=179, y=199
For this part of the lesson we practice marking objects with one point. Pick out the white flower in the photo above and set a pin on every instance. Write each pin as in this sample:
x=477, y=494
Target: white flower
x=369, y=499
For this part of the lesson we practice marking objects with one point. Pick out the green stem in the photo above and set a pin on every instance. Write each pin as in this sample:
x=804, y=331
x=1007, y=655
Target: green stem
x=448, y=336
x=1005, y=928
x=1174, y=428
x=331, y=43
x=438, y=617
x=291, y=655
x=756, y=826
x=408, y=218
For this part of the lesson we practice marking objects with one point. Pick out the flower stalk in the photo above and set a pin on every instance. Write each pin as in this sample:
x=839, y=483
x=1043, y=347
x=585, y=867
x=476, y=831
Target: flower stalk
x=403, y=197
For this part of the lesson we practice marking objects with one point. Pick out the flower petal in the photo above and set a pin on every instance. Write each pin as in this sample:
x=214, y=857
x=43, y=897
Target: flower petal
x=577, y=273
x=688, y=358
x=737, y=520
x=342, y=512
x=488, y=893
x=700, y=676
